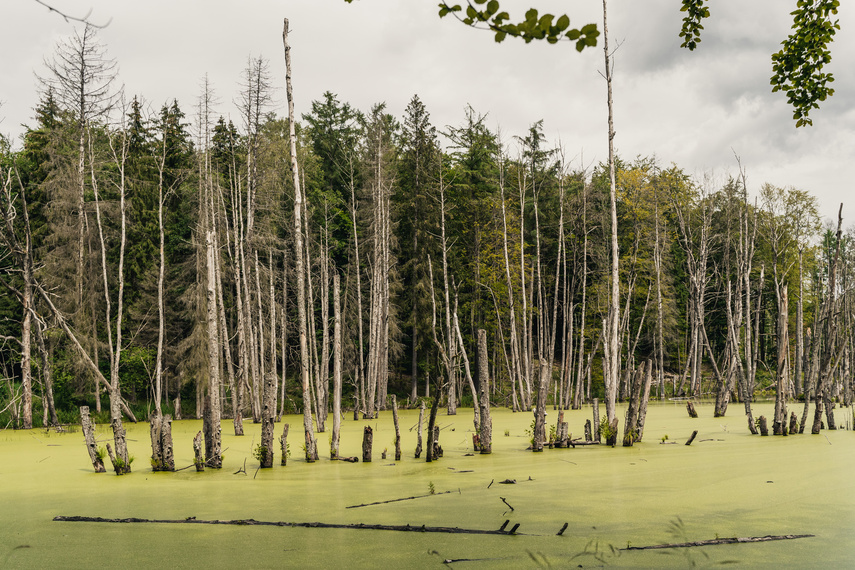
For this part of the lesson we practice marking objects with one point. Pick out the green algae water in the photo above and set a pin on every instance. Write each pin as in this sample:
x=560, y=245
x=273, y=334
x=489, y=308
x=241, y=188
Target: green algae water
x=728, y=483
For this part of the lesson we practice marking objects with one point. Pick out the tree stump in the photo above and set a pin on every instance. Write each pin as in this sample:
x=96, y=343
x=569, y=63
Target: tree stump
x=764, y=429
x=817, y=417
x=89, y=435
x=794, y=423
x=283, y=444
x=588, y=435
x=690, y=407
x=476, y=442
x=692, y=437
x=367, y=442
x=161, y=443
x=596, y=408
x=437, y=448
x=199, y=459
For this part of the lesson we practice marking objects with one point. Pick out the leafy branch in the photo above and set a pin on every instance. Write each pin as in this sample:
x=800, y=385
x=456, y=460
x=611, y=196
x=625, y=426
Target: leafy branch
x=489, y=16
x=798, y=66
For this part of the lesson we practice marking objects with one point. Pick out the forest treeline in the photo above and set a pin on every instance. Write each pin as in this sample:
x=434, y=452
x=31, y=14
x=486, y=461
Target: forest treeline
x=146, y=250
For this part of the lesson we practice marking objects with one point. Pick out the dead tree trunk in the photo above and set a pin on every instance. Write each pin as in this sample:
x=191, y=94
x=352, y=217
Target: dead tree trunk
x=161, y=442
x=418, y=452
x=540, y=410
x=431, y=424
x=337, y=362
x=89, y=435
x=199, y=458
x=486, y=431
x=283, y=444
x=311, y=448
x=645, y=397
x=397, y=428
x=367, y=443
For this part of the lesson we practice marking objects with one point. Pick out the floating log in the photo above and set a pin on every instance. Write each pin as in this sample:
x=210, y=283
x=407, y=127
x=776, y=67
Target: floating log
x=253, y=522
x=735, y=540
x=692, y=437
x=347, y=459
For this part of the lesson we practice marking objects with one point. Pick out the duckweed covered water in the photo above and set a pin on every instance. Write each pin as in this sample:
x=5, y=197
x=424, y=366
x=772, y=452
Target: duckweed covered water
x=727, y=483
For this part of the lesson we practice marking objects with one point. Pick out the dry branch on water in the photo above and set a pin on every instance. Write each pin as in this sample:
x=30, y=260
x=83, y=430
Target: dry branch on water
x=397, y=500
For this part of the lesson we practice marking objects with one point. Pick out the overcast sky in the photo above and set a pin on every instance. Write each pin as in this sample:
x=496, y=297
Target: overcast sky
x=694, y=109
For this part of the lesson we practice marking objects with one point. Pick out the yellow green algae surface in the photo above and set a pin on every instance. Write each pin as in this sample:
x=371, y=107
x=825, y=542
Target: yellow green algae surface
x=728, y=483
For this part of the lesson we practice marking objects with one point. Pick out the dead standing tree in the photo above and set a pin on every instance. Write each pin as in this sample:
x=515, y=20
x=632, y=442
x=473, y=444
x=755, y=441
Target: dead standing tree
x=311, y=448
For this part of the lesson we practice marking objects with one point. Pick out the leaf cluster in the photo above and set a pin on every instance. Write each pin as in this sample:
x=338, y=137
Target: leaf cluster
x=798, y=65
x=691, y=30
x=533, y=26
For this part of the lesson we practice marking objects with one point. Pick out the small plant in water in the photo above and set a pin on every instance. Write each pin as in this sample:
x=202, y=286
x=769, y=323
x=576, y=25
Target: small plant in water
x=606, y=431
x=431, y=488
x=507, y=433
x=101, y=454
x=664, y=438
x=260, y=453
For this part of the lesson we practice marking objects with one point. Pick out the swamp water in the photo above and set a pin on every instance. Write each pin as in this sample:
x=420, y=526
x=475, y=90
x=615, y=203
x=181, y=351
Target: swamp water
x=728, y=483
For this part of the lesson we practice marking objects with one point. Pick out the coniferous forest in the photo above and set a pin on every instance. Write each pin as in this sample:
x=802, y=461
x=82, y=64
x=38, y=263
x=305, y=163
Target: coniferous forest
x=168, y=260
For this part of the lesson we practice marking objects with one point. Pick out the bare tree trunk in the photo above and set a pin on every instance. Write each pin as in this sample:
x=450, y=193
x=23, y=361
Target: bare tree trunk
x=91, y=445
x=611, y=368
x=486, y=428
x=337, y=362
x=779, y=426
x=418, y=452
x=540, y=409
x=515, y=370
x=311, y=448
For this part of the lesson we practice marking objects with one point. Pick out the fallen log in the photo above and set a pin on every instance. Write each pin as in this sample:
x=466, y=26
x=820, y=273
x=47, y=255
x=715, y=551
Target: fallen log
x=714, y=541
x=253, y=522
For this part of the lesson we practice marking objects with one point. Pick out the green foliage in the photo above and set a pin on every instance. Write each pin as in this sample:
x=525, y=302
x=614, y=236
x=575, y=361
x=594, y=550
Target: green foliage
x=798, y=65
x=260, y=453
x=606, y=431
x=431, y=488
x=691, y=30
x=533, y=27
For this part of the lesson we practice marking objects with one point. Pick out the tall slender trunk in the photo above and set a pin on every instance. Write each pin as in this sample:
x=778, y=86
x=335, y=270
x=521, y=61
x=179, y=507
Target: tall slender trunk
x=611, y=370
x=311, y=448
